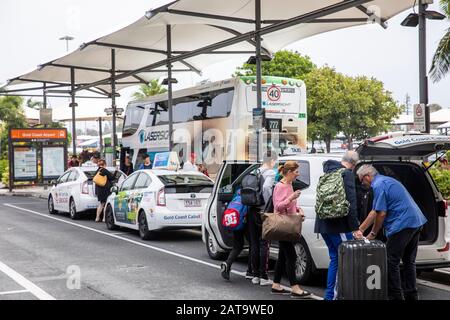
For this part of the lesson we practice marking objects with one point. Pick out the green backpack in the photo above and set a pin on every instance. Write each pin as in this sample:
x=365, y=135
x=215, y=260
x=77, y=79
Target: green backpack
x=331, y=201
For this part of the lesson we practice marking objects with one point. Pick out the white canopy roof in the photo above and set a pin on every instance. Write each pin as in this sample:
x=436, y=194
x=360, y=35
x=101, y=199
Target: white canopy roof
x=440, y=116
x=197, y=24
x=444, y=126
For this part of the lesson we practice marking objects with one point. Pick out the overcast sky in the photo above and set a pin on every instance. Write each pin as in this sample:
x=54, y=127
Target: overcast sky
x=30, y=31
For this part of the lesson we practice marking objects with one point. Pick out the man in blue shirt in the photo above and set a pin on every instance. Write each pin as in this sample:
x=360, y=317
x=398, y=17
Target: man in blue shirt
x=147, y=163
x=395, y=210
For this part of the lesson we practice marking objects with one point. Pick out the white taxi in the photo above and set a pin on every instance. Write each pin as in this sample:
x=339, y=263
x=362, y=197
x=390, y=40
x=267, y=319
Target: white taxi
x=151, y=200
x=74, y=191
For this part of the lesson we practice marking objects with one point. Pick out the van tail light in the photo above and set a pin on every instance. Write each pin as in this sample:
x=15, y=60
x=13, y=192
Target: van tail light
x=85, y=188
x=446, y=248
x=161, y=198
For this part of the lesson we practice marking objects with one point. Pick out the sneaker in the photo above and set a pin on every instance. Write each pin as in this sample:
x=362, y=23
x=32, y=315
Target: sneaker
x=265, y=282
x=225, y=271
x=249, y=275
x=255, y=280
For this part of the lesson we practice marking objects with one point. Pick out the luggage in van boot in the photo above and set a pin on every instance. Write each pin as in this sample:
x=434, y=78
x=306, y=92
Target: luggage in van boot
x=362, y=272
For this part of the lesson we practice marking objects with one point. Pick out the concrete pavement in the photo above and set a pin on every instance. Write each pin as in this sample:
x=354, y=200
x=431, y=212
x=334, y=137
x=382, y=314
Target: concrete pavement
x=50, y=251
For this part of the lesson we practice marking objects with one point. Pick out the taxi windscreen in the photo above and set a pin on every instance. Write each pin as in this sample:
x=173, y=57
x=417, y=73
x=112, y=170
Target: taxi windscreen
x=169, y=179
x=186, y=183
x=91, y=173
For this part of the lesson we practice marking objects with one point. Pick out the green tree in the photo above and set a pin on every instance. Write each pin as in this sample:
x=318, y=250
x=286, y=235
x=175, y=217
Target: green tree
x=11, y=115
x=359, y=107
x=325, y=98
x=367, y=109
x=148, y=90
x=441, y=59
x=285, y=63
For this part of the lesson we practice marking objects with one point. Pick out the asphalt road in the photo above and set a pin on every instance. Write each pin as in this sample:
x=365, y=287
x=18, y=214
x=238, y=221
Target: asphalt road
x=46, y=256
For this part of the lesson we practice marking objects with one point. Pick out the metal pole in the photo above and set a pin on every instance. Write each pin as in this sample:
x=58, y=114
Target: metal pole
x=44, y=96
x=258, y=69
x=169, y=73
x=113, y=103
x=423, y=81
x=72, y=104
x=100, y=131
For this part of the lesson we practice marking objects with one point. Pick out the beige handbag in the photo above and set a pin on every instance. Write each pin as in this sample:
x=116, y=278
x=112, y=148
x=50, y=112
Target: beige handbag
x=100, y=180
x=282, y=227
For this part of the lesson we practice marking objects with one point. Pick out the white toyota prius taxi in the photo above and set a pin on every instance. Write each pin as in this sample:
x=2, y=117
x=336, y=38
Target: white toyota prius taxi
x=74, y=191
x=151, y=200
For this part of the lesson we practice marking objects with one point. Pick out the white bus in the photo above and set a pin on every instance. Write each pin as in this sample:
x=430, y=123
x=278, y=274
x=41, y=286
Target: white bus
x=214, y=121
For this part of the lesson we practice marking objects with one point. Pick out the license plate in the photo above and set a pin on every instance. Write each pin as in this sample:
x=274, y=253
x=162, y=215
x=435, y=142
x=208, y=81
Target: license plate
x=192, y=203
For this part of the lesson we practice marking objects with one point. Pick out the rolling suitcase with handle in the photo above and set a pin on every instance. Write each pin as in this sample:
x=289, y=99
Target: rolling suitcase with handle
x=362, y=271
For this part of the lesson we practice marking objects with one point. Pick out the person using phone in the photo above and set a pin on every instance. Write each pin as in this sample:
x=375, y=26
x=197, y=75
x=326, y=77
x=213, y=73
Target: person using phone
x=285, y=202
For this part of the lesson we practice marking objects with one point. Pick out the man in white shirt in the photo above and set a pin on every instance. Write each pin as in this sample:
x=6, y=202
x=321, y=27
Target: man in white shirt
x=190, y=165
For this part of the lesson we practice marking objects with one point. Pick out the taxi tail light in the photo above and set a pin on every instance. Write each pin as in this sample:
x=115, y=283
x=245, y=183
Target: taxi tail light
x=161, y=198
x=85, y=188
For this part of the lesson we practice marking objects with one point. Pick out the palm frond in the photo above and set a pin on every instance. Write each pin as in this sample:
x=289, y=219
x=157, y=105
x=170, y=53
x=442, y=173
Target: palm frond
x=445, y=6
x=441, y=60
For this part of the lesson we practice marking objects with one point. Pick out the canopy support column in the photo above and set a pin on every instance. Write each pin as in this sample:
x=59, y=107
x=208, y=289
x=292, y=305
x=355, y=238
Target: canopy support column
x=169, y=83
x=258, y=72
x=423, y=81
x=113, y=104
x=100, y=133
x=73, y=105
x=44, y=97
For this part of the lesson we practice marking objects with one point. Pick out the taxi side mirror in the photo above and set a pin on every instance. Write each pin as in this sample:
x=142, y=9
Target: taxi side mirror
x=114, y=189
x=53, y=182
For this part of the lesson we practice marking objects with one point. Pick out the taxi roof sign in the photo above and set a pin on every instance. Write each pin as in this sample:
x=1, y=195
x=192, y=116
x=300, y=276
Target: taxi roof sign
x=166, y=161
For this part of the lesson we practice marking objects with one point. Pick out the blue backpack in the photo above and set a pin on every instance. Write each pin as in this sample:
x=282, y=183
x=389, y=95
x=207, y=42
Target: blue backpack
x=234, y=216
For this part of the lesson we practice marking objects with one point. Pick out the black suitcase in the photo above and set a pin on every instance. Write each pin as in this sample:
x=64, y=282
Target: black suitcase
x=362, y=271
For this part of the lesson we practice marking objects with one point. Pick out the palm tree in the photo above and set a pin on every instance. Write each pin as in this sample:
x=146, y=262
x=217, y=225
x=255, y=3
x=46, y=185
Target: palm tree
x=441, y=60
x=148, y=90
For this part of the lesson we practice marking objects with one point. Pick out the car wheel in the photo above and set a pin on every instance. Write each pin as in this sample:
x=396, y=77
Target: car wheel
x=51, y=205
x=212, y=250
x=143, y=227
x=109, y=218
x=304, y=263
x=74, y=215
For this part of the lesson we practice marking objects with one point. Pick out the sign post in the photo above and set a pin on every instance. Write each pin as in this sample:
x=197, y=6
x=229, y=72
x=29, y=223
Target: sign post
x=29, y=148
x=420, y=117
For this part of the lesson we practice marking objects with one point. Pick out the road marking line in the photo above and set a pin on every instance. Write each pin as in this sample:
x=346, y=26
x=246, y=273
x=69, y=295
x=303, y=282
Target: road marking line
x=27, y=284
x=442, y=271
x=13, y=292
x=433, y=285
x=112, y=235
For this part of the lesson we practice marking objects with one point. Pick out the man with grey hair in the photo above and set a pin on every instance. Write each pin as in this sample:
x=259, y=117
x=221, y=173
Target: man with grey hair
x=344, y=228
x=395, y=209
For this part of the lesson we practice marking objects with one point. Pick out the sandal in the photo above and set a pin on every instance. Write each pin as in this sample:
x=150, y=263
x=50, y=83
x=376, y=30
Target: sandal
x=304, y=294
x=277, y=291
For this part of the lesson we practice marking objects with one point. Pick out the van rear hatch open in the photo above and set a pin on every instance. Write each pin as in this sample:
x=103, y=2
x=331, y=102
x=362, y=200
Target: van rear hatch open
x=390, y=154
x=402, y=146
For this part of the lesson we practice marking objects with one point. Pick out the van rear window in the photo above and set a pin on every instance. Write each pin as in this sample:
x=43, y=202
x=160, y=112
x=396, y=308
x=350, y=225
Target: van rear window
x=185, y=179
